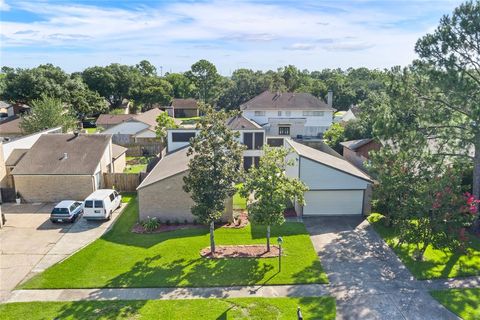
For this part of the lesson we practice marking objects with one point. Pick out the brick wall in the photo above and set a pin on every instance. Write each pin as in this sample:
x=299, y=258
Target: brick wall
x=51, y=188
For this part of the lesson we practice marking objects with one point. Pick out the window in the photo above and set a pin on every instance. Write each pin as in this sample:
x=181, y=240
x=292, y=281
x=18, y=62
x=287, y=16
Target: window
x=313, y=113
x=182, y=136
x=258, y=140
x=115, y=193
x=279, y=113
x=248, y=140
x=89, y=204
x=288, y=113
x=112, y=196
x=247, y=163
x=256, y=161
x=73, y=207
x=98, y=204
x=275, y=142
x=60, y=211
x=283, y=131
x=259, y=113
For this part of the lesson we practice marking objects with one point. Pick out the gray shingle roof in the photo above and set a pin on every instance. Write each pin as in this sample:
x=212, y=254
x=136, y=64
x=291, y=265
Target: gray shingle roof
x=241, y=123
x=185, y=103
x=117, y=151
x=113, y=118
x=355, y=144
x=168, y=166
x=328, y=160
x=285, y=101
x=47, y=155
x=15, y=157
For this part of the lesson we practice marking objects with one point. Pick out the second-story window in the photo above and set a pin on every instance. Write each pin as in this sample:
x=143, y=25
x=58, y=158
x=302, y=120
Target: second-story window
x=288, y=113
x=248, y=140
x=259, y=113
x=283, y=131
x=279, y=113
x=313, y=113
x=258, y=140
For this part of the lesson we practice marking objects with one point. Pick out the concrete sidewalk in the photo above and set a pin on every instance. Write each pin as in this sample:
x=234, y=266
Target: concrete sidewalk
x=310, y=290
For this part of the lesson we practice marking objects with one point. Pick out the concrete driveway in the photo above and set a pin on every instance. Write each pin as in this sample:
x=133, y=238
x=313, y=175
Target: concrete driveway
x=30, y=242
x=367, y=278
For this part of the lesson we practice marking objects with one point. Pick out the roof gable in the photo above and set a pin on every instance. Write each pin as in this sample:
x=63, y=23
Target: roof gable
x=170, y=165
x=328, y=160
x=285, y=101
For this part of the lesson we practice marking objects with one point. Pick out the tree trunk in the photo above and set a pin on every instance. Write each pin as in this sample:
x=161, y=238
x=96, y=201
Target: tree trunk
x=268, y=238
x=421, y=252
x=212, y=238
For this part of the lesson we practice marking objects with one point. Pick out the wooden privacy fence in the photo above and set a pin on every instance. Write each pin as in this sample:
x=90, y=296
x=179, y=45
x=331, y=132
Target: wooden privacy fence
x=123, y=182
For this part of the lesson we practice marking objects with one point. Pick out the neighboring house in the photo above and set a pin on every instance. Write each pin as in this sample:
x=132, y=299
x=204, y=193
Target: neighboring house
x=185, y=108
x=336, y=187
x=10, y=128
x=63, y=166
x=119, y=158
x=357, y=151
x=6, y=110
x=251, y=135
x=289, y=114
x=161, y=193
x=107, y=121
x=351, y=114
x=138, y=133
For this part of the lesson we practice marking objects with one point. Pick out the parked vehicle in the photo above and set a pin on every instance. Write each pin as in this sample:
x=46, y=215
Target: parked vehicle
x=101, y=204
x=66, y=211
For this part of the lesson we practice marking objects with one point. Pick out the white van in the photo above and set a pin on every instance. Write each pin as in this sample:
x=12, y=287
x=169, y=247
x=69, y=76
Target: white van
x=101, y=203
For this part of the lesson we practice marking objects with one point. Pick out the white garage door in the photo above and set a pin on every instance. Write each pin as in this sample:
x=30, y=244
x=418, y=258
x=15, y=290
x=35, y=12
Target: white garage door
x=339, y=202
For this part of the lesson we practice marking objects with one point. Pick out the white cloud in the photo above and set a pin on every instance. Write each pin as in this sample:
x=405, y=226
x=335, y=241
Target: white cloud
x=4, y=6
x=300, y=46
x=242, y=31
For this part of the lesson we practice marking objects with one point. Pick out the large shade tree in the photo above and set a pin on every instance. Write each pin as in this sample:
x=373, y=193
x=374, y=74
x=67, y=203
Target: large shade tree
x=216, y=157
x=45, y=113
x=450, y=90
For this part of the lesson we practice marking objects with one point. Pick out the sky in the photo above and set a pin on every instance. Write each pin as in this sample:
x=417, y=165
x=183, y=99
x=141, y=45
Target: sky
x=259, y=35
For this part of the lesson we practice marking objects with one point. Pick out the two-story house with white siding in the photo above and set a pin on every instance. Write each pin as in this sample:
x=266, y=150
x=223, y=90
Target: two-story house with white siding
x=290, y=114
x=251, y=135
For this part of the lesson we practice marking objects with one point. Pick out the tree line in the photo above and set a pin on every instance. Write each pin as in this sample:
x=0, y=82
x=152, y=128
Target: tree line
x=101, y=89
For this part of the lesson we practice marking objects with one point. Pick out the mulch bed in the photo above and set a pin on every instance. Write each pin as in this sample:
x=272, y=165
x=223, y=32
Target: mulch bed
x=240, y=222
x=241, y=251
x=138, y=228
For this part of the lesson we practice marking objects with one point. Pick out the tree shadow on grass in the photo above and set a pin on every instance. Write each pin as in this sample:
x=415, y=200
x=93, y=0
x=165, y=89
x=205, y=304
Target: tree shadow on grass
x=287, y=229
x=100, y=309
x=200, y=272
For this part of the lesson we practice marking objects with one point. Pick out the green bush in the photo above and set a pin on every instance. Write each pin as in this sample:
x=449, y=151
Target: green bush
x=150, y=224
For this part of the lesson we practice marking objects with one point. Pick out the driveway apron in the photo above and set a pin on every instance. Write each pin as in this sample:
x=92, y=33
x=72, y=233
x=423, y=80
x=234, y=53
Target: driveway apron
x=367, y=278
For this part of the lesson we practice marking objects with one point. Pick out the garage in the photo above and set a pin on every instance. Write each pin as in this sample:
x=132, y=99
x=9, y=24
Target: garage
x=336, y=187
x=335, y=202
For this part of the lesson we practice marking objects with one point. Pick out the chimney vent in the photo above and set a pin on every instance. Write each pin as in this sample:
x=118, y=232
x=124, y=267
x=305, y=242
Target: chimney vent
x=330, y=98
x=65, y=156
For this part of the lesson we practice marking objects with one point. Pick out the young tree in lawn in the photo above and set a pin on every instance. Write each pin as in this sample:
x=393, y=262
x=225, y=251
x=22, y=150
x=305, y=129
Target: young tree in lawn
x=46, y=113
x=164, y=122
x=272, y=189
x=213, y=168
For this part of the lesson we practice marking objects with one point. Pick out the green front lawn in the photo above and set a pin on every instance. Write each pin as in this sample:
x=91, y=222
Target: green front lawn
x=171, y=259
x=464, y=302
x=91, y=130
x=239, y=308
x=437, y=263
